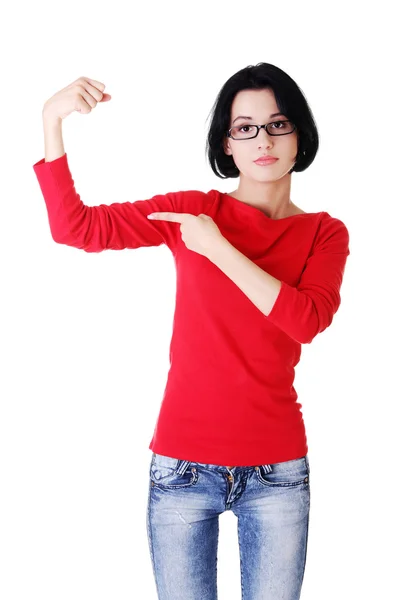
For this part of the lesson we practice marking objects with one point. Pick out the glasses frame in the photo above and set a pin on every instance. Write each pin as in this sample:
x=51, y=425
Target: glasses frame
x=265, y=127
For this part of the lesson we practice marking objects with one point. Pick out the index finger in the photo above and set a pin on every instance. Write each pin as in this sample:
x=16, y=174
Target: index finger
x=168, y=216
x=98, y=84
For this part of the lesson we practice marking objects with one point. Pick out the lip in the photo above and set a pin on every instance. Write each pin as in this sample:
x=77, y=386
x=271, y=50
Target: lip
x=266, y=160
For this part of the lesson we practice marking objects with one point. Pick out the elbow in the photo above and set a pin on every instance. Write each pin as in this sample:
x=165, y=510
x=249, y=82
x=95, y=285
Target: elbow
x=60, y=238
x=307, y=333
x=308, y=328
x=316, y=320
x=67, y=239
x=77, y=245
x=305, y=317
x=304, y=335
x=307, y=337
x=55, y=237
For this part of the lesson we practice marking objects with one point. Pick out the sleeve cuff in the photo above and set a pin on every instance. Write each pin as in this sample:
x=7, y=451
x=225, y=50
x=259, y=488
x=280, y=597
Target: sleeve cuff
x=53, y=175
x=277, y=312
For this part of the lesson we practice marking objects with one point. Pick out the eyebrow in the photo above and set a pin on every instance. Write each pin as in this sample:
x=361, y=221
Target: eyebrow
x=251, y=118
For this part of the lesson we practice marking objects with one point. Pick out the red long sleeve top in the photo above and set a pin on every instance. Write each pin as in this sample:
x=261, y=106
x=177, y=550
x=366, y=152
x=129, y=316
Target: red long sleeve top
x=229, y=397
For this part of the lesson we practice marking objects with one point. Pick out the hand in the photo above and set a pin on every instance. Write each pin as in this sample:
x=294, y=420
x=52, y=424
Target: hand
x=82, y=95
x=200, y=234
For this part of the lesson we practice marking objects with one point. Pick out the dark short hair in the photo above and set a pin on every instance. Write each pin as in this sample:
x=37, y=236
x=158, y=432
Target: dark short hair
x=290, y=100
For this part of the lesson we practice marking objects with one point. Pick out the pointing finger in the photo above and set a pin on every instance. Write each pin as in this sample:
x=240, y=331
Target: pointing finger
x=167, y=216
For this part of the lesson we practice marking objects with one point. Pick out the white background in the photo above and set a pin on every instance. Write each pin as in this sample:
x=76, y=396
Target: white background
x=85, y=336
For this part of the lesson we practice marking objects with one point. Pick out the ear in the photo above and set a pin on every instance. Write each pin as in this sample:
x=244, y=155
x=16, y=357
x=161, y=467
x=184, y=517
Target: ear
x=226, y=146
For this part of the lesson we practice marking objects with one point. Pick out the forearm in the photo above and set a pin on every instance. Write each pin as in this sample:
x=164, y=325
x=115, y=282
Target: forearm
x=53, y=139
x=260, y=287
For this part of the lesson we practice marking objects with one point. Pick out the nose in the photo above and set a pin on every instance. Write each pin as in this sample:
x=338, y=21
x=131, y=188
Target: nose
x=263, y=136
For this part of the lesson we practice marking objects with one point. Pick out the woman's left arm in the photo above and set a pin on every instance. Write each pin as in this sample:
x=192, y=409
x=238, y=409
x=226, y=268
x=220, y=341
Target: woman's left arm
x=302, y=311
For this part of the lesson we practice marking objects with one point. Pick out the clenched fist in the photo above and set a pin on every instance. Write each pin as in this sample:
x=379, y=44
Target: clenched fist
x=81, y=96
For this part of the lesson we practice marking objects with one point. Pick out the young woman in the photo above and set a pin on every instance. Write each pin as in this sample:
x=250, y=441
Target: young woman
x=257, y=276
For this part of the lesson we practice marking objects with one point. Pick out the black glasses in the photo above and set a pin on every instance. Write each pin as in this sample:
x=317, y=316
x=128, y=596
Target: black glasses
x=274, y=128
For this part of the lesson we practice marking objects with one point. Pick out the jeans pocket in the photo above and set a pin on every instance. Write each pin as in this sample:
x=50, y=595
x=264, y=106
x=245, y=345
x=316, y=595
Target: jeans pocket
x=171, y=473
x=290, y=473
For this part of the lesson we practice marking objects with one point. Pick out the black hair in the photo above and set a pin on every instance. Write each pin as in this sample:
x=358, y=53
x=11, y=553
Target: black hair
x=290, y=100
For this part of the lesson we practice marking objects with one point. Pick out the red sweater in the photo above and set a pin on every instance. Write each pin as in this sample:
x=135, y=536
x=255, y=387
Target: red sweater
x=229, y=397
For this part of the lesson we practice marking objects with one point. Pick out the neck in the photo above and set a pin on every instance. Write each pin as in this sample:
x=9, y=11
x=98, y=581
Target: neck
x=272, y=198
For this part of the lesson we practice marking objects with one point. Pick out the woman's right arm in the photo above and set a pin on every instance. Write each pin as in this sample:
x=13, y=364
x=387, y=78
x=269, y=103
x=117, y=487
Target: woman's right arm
x=113, y=226
x=95, y=228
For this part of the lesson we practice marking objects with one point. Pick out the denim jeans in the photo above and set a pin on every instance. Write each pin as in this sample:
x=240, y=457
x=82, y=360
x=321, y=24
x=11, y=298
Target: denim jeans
x=272, y=505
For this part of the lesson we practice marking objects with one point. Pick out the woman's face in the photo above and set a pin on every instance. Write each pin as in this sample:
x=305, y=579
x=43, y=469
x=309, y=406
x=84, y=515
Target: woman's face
x=260, y=105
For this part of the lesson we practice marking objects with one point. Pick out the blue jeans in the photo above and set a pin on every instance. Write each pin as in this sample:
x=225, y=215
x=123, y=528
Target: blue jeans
x=272, y=504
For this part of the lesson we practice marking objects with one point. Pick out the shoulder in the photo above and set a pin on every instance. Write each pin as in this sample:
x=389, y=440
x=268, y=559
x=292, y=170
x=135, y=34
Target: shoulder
x=332, y=223
x=332, y=232
x=205, y=202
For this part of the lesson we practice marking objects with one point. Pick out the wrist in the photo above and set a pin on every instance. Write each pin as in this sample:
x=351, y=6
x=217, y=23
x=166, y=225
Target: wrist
x=50, y=120
x=219, y=245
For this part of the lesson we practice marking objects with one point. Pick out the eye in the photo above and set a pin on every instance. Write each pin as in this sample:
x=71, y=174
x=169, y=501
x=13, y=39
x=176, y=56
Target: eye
x=281, y=125
x=248, y=127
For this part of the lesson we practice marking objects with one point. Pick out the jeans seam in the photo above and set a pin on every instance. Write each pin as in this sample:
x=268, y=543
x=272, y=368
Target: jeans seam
x=149, y=534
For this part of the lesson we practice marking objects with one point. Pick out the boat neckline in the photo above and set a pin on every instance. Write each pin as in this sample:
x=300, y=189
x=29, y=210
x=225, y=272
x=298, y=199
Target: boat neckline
x=249, y=207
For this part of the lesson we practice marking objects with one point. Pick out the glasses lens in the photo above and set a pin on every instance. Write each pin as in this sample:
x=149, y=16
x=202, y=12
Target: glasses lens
x=280, y=127
x=243, y=132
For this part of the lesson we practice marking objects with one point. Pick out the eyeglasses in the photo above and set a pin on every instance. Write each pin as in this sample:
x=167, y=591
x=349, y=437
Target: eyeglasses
x=282, y=128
